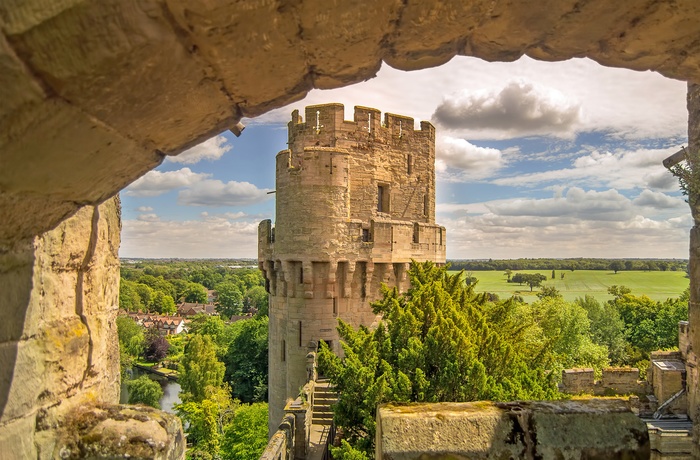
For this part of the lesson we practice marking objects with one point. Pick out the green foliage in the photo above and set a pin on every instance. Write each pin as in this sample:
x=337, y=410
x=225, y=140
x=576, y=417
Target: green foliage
x=616, y=266
x=202, y=419
x=566, y=329
x=348, y=452
x=549, y=291
x=163, y=303
x=607, y=328
x=256, y=298
x=230, y=299
x=145, y=293
x=129, y=299
x=145, y=391
x=649, y=325
x=565, y=264
x=200, y=372
x=131, y=341
x=245, y=437
x=195, y=293
x=246, y=360
x=437, y=342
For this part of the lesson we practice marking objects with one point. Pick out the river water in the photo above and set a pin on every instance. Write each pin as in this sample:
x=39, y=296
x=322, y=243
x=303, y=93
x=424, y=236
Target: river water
x=171, y=390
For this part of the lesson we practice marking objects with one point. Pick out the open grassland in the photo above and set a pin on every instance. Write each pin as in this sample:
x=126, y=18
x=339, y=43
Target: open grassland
x=656, y=284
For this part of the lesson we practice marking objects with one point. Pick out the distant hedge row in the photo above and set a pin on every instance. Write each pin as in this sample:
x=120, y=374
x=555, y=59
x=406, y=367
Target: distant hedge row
x=569, y=264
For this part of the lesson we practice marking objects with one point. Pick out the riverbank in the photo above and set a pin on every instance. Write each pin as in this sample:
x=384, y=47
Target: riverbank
x=163, y=372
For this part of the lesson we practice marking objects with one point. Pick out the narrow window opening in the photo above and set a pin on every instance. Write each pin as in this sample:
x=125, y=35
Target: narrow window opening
x=335, y=306
x=300, y=331
x=425, y=204
x=301, y=274
x=365, y=235
x=409, y=165
x=416, y=233
x=383, y=198
x=284, y=351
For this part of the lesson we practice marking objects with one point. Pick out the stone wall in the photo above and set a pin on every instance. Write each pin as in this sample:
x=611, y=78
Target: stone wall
x=58, y=341
x=487, y=430
x=614, y=381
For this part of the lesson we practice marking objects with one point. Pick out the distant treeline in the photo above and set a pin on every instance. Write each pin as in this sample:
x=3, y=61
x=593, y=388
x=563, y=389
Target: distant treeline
x=570, y=264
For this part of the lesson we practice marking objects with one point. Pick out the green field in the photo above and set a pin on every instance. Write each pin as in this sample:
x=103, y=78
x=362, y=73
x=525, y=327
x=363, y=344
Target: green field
x=656, y=284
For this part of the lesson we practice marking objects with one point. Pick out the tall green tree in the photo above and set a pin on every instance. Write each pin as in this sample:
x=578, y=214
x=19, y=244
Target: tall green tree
x=246, y=361
x=616, y=266
x=436, y=343
x=230, y=299
x=534, y=279
x=200, y=372
x=566, y=328
x=195, y=293
x=606, y=328
x=131, y=341
x=649, y=325
x=205, y=421
x=163, y=303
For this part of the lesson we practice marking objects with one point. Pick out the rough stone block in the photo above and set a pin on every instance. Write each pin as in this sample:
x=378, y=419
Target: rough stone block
x=486, y=430
x=121, y=431
x=14, y=444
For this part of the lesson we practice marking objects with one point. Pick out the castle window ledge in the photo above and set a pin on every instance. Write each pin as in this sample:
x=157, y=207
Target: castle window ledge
x=383, y=215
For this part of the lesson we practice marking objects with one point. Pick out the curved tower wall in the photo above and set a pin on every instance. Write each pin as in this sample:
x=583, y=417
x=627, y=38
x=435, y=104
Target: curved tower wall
x=355, y=203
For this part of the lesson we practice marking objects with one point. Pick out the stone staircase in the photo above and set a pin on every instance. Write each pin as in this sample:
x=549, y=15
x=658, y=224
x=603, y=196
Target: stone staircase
x=324, y=396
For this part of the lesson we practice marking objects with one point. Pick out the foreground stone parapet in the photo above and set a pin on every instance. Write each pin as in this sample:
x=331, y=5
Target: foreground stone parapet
x=584, y=429
x=121, y=431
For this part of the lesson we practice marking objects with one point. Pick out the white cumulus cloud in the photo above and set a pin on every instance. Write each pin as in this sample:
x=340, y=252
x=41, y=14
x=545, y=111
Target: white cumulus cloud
x=521, y=107
x=623, y=170
x=150, y=217
x=658, y=200
x=217, y=193
x=575, y=223
x=211, y=149
x=156, y=183
x=469, y=159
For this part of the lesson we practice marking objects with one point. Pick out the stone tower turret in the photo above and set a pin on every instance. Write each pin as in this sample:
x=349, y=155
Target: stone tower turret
x=355, y=203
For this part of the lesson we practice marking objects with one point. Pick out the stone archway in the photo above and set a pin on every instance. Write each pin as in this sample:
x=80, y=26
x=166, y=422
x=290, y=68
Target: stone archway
x=95, y=94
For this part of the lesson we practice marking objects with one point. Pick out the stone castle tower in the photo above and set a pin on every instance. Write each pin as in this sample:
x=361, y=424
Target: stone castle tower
x=355, y=203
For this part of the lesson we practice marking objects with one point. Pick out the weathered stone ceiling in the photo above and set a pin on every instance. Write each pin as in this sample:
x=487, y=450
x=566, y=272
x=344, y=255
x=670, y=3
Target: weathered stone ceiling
x=94, y=93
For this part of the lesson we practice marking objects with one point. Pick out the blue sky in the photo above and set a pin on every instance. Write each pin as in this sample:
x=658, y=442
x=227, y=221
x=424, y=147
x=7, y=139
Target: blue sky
x=534, y=159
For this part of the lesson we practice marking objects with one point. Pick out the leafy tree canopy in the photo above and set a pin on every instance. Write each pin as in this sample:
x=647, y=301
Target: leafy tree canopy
x=195, y=293
x=245, y=437
x=246, y=360
x=230, y=299
x=437, y=342
x=200, y=372
x=145, y=391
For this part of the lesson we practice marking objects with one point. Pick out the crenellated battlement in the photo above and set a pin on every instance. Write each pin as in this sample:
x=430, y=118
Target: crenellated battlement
x=324, y=125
